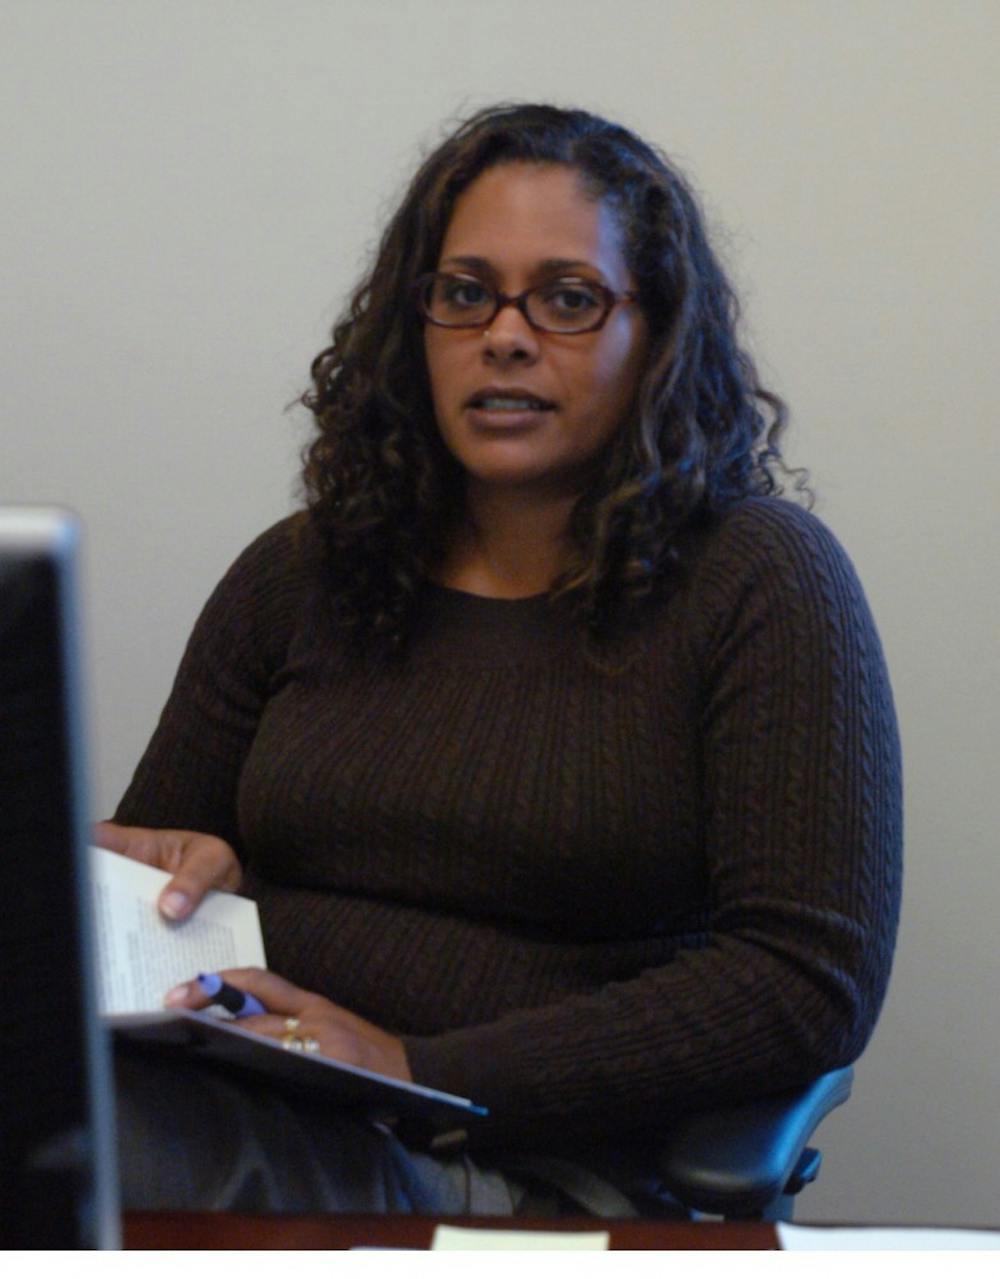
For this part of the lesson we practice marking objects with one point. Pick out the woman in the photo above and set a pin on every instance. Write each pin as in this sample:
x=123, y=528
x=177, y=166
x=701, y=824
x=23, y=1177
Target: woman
x=557, y=749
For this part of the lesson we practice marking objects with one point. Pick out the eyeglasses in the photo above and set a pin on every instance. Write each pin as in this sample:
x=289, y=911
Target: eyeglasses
x=558, y=306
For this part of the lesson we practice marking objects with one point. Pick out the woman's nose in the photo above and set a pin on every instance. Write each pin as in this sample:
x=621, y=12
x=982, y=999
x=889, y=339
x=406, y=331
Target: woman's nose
x=510, y=337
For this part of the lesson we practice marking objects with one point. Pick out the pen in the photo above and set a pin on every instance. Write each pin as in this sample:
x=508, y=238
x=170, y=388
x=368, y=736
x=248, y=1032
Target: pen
x=235, y=1001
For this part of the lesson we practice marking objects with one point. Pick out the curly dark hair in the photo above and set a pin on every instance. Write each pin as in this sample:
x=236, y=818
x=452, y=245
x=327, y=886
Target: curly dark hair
x=384, y=491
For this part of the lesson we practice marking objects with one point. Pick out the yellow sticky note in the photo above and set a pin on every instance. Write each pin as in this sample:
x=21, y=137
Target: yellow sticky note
x=470, y=1238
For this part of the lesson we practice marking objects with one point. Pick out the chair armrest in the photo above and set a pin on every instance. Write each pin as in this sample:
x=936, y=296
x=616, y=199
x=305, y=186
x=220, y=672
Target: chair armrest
x=738, y=1159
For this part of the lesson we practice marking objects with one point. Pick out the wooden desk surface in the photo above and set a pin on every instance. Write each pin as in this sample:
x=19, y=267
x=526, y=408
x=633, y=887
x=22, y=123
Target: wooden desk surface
x=206, y=1230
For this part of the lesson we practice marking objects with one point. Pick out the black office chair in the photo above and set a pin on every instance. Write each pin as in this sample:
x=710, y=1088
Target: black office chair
x=747, y=1162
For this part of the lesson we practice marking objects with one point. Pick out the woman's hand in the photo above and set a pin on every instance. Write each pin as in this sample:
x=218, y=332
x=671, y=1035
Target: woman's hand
x=339, y=1033
x=197, y=862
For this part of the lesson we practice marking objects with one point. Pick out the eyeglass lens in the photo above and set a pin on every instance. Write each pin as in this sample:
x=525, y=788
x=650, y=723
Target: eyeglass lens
x=560, y=306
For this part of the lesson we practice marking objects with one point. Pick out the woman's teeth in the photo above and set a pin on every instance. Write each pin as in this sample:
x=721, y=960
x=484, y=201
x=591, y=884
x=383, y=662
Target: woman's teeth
x=504, y=402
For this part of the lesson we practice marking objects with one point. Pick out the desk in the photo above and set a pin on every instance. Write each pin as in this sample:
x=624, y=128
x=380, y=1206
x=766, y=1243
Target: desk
x=203, y=1230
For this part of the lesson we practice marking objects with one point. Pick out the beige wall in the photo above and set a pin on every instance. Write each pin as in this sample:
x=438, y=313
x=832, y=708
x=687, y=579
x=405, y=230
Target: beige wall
x=194, y=185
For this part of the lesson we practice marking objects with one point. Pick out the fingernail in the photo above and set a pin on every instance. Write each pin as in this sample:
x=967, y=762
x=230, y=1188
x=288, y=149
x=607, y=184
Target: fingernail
x=176, y=996
x=175, y=905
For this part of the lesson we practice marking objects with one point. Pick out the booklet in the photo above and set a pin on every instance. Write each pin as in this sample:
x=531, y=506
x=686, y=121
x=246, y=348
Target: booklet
x=141, y=956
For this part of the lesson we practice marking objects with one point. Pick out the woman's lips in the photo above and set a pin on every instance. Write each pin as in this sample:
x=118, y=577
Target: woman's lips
x=489, y=419
x=507, y=412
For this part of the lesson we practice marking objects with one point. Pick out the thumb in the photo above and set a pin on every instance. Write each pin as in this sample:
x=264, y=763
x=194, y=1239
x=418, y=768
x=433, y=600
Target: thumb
x=206, y=863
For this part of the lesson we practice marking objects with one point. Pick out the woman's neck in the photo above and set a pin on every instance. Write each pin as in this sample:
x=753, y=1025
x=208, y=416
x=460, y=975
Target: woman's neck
x=508, y=545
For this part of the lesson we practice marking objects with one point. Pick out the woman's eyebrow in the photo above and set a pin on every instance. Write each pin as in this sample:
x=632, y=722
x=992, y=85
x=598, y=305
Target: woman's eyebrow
x=565, y=264
x=549, y=266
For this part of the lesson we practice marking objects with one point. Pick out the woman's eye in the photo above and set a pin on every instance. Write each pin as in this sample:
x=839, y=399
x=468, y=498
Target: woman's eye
x=465, y=293
x=571, y=299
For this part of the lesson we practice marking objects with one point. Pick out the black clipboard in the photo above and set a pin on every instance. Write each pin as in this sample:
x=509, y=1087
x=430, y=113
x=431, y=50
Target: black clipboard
x=418, y=1113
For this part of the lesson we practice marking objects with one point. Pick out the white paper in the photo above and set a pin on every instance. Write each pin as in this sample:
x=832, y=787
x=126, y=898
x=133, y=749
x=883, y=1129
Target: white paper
x=141, y=955
x=469, y=1238
x=883, y=1239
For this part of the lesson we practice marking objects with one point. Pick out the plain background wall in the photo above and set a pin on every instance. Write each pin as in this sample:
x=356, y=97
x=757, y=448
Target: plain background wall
x=190, y=188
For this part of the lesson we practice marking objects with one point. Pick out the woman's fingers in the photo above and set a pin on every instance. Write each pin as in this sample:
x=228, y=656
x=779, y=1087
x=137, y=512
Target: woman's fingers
x=140, y=843
x=276, y=1027
x=334, y=1032
x=278, y=996
x=338, y=1033
x=275, y=993
x=196, y=861
x=204, y=862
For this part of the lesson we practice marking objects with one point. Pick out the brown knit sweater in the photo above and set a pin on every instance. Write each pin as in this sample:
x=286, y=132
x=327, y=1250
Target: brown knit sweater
x=587, y=899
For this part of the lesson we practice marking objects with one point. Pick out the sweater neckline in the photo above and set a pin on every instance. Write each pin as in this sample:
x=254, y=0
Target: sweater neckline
x=459, y=627
x=453, y=592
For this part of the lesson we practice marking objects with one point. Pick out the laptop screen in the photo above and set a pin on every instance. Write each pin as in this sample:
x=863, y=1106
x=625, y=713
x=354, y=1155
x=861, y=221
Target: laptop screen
x=58, y=1177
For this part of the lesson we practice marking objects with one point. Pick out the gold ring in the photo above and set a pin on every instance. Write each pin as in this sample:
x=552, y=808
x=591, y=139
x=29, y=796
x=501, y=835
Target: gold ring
x=291, y=1023
x=310, y=1045
x=293, y=1043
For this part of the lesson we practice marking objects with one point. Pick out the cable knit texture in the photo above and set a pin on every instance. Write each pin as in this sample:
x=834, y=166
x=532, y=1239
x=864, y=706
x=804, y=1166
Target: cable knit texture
x=587, y=897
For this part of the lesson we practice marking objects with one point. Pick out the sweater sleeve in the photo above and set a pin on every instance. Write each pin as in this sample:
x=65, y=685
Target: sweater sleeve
x=802, y=800
x=189, y=774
